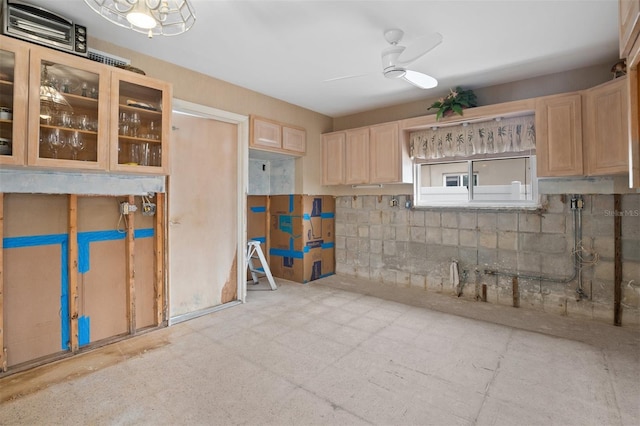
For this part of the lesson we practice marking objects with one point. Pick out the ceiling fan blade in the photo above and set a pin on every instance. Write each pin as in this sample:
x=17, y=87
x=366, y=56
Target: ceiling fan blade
x=420, y=80
x=419, y=48
x=344, y=77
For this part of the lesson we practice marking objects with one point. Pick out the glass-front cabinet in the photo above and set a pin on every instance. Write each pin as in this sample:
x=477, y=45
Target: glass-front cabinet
x=138, y=103
x=68, y=112
x=14, y=89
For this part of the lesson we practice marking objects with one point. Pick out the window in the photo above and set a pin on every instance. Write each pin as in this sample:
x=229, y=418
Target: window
x=498, y=153
x=497, y=182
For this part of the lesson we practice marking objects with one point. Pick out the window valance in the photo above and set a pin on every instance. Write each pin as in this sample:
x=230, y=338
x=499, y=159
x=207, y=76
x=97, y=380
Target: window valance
x=512, y=134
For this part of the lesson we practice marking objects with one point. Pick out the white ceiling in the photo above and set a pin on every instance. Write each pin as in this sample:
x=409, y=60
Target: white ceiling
x=286, y=49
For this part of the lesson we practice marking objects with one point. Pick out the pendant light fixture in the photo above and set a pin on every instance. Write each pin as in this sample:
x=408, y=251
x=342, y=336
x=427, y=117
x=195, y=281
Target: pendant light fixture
x=151, y=17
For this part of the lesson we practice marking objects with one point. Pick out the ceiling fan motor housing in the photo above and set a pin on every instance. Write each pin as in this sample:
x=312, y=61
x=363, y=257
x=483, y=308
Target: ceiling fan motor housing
x=389, y=60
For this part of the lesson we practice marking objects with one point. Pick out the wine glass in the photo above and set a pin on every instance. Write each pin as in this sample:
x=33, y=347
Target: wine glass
x=76, y=144
x=55, y=142
x=134, y=121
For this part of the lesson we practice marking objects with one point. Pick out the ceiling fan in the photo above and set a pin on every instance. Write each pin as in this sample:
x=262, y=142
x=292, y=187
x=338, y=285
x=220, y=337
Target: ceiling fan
x=396, y=57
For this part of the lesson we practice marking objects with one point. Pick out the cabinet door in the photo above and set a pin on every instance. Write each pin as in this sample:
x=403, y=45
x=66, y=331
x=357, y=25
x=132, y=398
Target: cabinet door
x=333, y=158
x=266, y=134
x=14, y=88
x=385, y=154
x=68, y=111
x=294, y=139
x=140, y=117
x=633, y=91
x=606, y=129
x=559, y=135
x=629, y=12
x=356, y=167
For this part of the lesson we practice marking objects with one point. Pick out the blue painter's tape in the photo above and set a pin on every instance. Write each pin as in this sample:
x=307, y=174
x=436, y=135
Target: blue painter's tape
x=261, y=240
x=327, y=215
x=45, y=240
x=258, y=209
x=84, y=330
x=291, y=203
x=328, y=245
x=306, y=216
x=85, y=238
x=285, y=224
x=286, y=253
x=143, y=233
x=35, y=240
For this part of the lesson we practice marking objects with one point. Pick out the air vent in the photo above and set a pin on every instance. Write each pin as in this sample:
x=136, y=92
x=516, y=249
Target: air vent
x=106, y=58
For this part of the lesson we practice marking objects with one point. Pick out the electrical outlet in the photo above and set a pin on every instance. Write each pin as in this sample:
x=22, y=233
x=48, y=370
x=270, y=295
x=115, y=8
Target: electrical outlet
x=148, y=209
x=126, y=208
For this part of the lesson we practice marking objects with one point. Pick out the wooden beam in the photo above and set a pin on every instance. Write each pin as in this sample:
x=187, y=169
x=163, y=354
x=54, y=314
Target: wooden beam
x=73, y=272
x=3, y=351
x=159, y=224
x=617, y=260
x=130, y=268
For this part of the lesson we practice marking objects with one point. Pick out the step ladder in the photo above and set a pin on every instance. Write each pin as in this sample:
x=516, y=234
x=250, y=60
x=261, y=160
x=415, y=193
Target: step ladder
x=253, y=249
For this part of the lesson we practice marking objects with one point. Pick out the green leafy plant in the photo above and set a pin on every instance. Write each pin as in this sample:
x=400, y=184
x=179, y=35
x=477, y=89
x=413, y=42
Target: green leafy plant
x=454, y=102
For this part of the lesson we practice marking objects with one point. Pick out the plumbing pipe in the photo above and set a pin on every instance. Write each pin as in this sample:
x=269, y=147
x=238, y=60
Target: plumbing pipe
x=576, y=206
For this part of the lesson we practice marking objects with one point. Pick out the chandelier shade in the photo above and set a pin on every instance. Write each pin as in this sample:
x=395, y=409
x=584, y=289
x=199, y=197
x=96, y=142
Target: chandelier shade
x=151, y=17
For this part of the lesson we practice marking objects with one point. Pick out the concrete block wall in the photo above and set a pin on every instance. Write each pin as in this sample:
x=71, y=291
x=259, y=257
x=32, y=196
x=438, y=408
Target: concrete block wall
x=415, y=248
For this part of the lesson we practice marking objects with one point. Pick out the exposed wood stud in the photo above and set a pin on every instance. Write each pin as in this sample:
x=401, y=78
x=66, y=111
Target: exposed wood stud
x=73, y=273
x=617, y=268
x=159, y=260
x=130, y=268
x=484, y=292
x=3, y=351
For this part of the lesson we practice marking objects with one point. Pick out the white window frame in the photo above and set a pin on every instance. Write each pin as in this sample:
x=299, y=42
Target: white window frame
x=461, y=196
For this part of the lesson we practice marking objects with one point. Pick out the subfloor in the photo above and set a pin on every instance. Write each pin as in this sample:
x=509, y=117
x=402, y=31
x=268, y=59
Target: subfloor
x=345, y=351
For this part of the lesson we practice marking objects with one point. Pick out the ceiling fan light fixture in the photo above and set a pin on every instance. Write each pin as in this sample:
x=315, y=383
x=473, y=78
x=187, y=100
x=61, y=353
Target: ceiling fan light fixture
x=152, y=17
x=141, y=16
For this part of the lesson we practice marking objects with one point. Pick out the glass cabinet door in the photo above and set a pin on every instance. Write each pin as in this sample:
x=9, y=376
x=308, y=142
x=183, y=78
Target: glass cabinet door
x=141, y=107
x=68, y=112
x=14, y=88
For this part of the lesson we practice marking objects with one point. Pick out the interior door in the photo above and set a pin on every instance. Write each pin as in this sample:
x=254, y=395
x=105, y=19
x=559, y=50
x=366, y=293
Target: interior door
x=203, y=214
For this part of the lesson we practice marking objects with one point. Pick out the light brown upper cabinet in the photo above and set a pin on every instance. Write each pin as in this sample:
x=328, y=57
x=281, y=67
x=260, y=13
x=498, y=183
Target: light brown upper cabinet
x=606, y=128
x=14, y=89
x=559, y=135
x=367, y=155
x=629, y=15
x=71, y=113
x=269, y=135
x=333, y=158
x=140, y=117
x=68, y=111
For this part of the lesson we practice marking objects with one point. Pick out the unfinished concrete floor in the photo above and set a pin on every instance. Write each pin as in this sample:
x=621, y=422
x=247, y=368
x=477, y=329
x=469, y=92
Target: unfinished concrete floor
x=345, y=351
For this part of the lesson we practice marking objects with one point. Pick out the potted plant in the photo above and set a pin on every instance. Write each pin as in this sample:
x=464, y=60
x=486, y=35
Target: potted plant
x=454, y=102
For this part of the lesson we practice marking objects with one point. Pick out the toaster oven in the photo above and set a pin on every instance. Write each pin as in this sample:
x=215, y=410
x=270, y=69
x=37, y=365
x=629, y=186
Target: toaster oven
x=38, y=25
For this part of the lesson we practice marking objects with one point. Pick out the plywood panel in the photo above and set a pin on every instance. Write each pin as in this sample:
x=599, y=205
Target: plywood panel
x=32, y=302
x=103, y=290
x=144, y=282
x=203, y=216
x=35, y=214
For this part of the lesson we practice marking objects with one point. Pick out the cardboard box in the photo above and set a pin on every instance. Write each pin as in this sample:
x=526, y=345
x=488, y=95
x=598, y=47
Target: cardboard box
x=298, y=221
x=301, y=236
x=305, y=266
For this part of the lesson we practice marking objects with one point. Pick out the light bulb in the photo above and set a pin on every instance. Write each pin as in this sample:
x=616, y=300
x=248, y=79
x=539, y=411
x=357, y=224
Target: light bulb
x=141, y=17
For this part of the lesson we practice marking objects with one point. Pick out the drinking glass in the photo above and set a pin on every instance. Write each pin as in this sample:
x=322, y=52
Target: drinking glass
x=76, y=144
x=135, y=124
x=55, y=142
x=66, y=119
x=123, y=123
